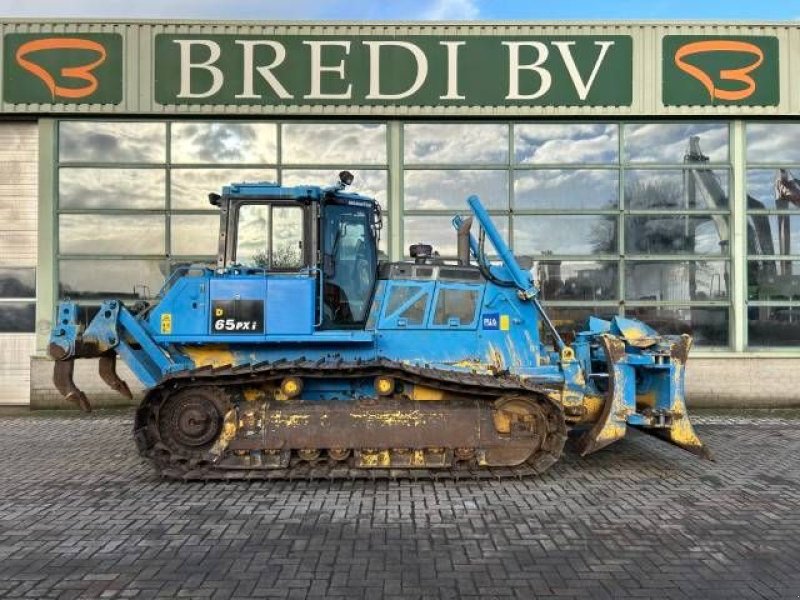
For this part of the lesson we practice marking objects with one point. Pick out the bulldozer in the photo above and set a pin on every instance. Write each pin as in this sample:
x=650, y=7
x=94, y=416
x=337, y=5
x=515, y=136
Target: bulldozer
x=299, y=353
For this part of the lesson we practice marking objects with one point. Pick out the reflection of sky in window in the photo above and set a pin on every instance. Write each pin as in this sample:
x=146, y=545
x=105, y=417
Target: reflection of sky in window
x=668, y=143
x=773, y=142
x=104, y=278
x=191, y=187
x=542, y=143
x=438, y=190
x=439, y=231
x=18, y=283
x=669, y=281
x=367, y=182
x=455, y=143
x=566, y=189
x=251, y=240
x=111, y=234
x=117, y=142
x=671, y=189
x=224, y=142
x=111, y=188
x=194, y=235
x=585, y=234
x=341, y=144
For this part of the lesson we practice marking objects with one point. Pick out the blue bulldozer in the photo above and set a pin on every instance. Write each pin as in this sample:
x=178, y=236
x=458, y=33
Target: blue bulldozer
x=300, y=354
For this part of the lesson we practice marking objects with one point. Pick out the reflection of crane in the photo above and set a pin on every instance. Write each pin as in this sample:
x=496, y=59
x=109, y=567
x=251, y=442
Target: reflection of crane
x=759, y=233
x=787, y=191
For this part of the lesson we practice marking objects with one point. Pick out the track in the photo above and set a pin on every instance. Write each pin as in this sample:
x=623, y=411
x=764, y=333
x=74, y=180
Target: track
x=203, y=445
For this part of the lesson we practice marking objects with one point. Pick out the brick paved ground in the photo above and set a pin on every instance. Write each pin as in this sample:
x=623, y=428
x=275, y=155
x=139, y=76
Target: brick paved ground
x=82, y=516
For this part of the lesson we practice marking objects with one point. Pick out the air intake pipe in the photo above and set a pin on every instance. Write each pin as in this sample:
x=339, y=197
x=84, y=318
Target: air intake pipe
x=463, y=241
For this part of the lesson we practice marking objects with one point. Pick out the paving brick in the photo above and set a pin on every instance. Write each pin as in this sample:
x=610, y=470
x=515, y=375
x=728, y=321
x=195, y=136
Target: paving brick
x=82, y=516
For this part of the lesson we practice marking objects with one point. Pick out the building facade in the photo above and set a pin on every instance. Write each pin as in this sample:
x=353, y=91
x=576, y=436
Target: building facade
x=646, y=170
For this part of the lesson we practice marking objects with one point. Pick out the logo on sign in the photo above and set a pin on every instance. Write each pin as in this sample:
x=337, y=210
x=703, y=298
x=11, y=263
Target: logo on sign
x=740, y=70
x=48, y=68
x=491, y=321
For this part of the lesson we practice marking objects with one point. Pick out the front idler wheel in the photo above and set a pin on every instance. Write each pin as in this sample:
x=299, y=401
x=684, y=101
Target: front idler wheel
x=190, y=421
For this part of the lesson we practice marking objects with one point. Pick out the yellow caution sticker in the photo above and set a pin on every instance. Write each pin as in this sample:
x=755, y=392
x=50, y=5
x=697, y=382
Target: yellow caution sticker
x=505, y=323
x=166, y=324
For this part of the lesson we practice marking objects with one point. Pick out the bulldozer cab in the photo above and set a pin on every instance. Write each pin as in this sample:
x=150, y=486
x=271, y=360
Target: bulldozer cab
x=331, y=237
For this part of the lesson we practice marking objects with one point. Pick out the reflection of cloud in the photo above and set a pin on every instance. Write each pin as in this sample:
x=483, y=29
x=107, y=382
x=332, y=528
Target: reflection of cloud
x=111, y=188
x=438, y=190
x=580, y=143
x=367, y=182
x=454, y=143
x=566, y=189
x=341, y=144
x=564, y=234
x=109, y=277
x=190, y=187
x=111, y=234
x=668, y=142
x=671, y=189
x=773, y=142
x=118, y=142
x=224, y=142
x=194, y=235
x=439, y=232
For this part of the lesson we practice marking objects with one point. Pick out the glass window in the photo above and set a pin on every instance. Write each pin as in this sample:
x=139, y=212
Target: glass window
x=270, y=236
x=252, y=237
x=546, y=143
x=17, y=283
x=223, y=142
x=707, y=325
x=676, y=234
x=340, y=144
x=455, y=303
x=773, y=280
x=439, y=232
x=81, y=188
x=449, y=190
x=671, y=281
x=194, y=235
x=407, y=302
x=455, y=143
x=573, y=189
x=112, y=141
x=685, y=189
x=573, y=234
x=17, y=317
x=83, y=280
x=773, y=326
x=669, y=143
x=774, y=234
x=577, y=280
x=773, y=142
x=368, y=182
x=189, y=188
x=119, y=234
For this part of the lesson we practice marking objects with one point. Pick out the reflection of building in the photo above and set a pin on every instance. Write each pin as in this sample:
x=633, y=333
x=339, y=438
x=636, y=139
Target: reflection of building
x=671, y=216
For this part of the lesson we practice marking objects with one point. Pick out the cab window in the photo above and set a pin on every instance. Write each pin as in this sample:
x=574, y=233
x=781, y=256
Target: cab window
x=270, y=236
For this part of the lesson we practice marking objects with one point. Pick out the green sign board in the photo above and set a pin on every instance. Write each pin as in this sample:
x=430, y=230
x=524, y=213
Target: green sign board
x=62, y=68
x=390, y=71
x=720, y=70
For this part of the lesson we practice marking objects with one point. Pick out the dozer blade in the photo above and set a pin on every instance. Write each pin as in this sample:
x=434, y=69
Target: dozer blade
x=108, y=373
x=612, y=424
x=62, y=379
x=681, y=433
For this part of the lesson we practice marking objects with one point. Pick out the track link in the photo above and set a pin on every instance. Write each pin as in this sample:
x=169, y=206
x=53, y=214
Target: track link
x=176, y=463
